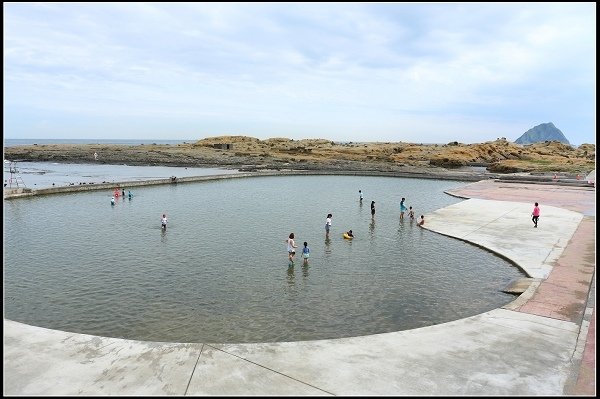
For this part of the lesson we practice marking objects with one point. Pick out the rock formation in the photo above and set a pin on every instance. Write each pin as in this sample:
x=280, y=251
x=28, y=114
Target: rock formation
x=540, y=133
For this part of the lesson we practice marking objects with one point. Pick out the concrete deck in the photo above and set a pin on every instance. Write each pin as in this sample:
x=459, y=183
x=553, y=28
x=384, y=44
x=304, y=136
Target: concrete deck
x=543, y=343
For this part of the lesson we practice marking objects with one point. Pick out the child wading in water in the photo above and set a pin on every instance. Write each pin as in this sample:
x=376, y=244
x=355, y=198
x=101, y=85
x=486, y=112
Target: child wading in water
x=305, y=253
x=411, y=213
x=291, y=248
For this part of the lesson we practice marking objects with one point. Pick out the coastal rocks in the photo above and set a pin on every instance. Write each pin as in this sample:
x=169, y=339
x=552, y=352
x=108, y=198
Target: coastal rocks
x=501, y=155
x=447, y=162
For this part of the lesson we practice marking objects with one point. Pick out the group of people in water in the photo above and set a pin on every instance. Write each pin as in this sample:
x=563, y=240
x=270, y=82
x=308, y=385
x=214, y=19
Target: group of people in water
x=291, y=248
x=118, y=193
x=291, y=245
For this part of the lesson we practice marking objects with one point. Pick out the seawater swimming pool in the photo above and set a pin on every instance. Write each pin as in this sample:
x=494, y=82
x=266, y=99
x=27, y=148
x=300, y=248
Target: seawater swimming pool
x=220, y=271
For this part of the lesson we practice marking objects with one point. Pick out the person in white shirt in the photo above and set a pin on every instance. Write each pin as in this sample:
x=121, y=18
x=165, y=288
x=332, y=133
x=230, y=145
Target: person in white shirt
x=291, y=247
x=328, y=223
x=163, y=222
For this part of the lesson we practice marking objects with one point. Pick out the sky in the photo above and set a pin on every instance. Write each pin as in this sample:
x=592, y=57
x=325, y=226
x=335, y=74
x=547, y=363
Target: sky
x=366, y=72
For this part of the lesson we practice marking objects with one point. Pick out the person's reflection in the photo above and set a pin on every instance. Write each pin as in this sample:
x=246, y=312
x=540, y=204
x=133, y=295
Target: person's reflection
x=163, y=235
x=372, y=225
x=327, y=245
x=291, y=276
x=305, y=270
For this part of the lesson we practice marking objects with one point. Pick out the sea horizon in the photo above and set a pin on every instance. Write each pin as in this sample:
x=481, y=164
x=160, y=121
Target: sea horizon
x=16, y=142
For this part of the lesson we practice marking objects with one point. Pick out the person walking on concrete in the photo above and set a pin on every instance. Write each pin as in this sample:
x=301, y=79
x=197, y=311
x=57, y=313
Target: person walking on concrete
x=535, y=215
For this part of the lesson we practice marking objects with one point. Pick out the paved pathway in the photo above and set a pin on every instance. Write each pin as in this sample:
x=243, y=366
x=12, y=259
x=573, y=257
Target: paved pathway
x=536, y=345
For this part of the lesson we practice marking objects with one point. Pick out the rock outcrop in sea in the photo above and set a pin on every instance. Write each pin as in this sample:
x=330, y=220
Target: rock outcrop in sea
x=541, y=133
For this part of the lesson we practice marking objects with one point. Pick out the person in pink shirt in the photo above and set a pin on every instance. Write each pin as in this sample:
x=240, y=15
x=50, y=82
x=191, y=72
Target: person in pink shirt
x=535, y=215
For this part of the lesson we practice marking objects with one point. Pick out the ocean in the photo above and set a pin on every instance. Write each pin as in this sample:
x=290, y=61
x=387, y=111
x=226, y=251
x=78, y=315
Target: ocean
x=15, y=142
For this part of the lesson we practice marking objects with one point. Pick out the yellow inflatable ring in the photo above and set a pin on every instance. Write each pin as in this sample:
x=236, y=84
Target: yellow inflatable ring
x=347, y=236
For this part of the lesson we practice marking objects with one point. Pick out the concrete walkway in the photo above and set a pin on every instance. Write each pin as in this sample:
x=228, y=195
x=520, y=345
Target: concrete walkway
x=540, y=344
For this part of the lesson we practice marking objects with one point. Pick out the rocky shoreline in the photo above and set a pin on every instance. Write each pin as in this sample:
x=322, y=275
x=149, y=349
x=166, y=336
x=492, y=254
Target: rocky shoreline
x=251, y=154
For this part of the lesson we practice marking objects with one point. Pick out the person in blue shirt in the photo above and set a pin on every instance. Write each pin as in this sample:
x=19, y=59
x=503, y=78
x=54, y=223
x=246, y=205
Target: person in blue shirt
x=305, y=253
x=402, y=208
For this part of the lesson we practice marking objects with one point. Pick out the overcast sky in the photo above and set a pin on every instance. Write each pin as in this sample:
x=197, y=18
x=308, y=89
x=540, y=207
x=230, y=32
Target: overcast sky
x=412, y=72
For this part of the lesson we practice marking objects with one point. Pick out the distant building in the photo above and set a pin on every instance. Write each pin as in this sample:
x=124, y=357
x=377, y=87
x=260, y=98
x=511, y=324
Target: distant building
x=223, y=146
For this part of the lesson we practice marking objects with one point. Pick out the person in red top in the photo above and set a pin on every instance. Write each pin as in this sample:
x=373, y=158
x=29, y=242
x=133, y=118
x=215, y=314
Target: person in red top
x=535, y=215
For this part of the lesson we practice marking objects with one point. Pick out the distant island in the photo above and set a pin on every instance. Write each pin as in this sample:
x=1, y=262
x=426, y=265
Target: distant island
x=540, y=133
x=249, y=153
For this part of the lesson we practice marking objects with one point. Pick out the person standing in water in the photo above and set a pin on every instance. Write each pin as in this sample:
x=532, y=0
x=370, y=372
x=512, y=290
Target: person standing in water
x=372, y=208
x=402, y=208
x=535, y=215
x=305, y=253
x=163, y=222
x=422, y=221
x=328, y=223
x=411, y=213
x=291, y=248
x=112, y=200
x=129, y=193
x=360, y=195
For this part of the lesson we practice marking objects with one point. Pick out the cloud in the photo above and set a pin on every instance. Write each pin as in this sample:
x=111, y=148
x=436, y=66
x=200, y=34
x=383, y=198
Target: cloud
x=337, y=69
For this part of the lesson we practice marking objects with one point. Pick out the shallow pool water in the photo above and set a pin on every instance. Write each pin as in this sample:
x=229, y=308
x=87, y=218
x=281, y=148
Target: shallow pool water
x=220, y=272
